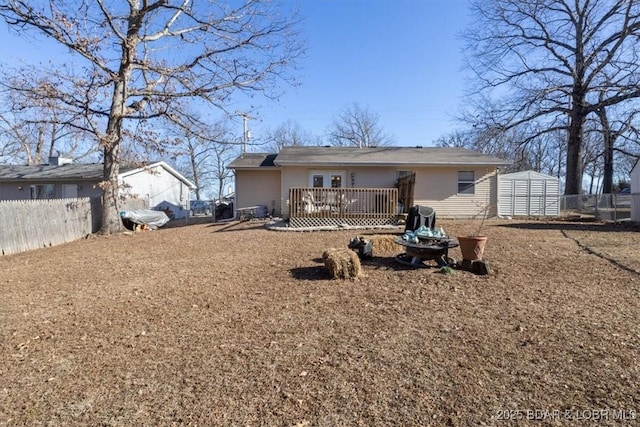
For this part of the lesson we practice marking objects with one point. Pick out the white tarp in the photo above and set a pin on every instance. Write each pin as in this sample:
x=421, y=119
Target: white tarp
x=151, y=218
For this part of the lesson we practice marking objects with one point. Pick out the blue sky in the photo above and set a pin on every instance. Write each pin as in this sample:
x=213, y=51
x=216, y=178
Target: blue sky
x=399, y=58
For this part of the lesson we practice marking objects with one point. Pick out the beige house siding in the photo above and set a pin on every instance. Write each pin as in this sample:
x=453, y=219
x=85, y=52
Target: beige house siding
x=438, y=188
x=364, y=177
x=373, y=177
x=435, y=186
x=259, y=187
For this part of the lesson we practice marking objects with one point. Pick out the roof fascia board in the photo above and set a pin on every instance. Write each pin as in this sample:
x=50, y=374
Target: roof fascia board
x=391, y=164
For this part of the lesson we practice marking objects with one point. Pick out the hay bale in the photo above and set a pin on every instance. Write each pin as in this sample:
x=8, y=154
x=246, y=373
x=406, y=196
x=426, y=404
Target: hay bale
x=384, y=243
x=342, y=263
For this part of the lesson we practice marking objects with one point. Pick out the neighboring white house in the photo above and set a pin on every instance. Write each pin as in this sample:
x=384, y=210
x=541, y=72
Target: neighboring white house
x=528, y=193
x=158, y=184
x=456, y=182
x=635, y=192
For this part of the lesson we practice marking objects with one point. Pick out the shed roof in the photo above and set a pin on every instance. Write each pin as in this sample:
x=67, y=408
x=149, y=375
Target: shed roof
x=529, y=175
x=378, y=156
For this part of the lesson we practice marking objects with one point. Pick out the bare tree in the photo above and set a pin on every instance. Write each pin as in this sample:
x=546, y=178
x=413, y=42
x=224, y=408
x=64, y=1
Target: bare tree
x=359, y=127
x=222, y=155
x=203, y=157
x=145, y=59
x=289, y=134
x=548, y=61
x=33, y=126
x=613, y=128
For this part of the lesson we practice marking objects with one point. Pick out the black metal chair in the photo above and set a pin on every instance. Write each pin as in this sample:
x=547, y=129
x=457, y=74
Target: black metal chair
x=419, y=216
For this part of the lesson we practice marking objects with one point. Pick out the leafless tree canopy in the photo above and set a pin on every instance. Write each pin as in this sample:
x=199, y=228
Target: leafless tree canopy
x=547, y=65
x=289, y=134
x=359, y=127
x=148, y=59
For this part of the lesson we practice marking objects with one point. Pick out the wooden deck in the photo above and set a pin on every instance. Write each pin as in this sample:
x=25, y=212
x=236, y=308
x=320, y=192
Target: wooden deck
x=310, y=207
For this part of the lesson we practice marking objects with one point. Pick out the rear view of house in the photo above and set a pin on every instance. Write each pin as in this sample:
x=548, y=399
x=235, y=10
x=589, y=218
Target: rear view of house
x=349, y=184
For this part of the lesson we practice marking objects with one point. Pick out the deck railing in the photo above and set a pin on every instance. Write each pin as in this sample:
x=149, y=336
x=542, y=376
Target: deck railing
x=374, y=203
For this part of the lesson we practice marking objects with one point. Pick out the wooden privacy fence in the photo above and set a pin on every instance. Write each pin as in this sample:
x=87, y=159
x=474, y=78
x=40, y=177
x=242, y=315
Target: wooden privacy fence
x=33, y=224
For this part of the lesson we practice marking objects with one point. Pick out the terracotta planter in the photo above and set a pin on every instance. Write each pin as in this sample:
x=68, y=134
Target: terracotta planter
x=472, y=248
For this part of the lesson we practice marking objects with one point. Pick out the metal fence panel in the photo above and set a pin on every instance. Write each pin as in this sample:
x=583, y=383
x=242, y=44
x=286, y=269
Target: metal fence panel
x=605, y=207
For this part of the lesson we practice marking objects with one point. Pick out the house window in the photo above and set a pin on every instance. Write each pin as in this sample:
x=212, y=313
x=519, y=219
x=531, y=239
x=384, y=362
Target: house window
x=318, y=181
x=326, y=179
x=44, y=191
x=466, y=182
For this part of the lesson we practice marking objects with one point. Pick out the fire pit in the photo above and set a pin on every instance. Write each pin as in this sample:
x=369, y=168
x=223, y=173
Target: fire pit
x=426, y=249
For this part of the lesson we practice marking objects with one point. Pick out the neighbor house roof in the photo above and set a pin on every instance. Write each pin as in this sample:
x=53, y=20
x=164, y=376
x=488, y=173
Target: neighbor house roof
x=69, y=171
x=379, y=156
x=72, y=172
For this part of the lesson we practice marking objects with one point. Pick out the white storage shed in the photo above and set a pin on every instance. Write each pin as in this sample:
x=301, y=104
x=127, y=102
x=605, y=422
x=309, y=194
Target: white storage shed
x=635, y=192
x=528, y=193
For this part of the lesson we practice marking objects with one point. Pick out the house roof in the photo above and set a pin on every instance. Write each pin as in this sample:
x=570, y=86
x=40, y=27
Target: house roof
x=379, y=156
x=69, y=171
x=73, y=172
x=253, y=160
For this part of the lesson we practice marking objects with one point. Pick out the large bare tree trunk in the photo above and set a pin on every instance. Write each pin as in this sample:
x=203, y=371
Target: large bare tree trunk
x=575, y=167
x=111, y=222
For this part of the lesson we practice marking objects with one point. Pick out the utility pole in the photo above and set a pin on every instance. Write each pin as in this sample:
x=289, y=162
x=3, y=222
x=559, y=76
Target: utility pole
x=245, y=130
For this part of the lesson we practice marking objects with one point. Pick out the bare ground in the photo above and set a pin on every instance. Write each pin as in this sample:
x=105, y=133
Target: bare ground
x=238, y=325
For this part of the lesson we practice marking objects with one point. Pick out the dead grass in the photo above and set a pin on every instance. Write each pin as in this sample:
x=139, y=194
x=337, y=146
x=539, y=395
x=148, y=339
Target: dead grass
x=237, y=325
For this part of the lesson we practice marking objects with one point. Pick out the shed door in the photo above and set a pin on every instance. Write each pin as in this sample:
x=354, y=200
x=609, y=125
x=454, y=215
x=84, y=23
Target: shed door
x=505, y=197
x=524, y=197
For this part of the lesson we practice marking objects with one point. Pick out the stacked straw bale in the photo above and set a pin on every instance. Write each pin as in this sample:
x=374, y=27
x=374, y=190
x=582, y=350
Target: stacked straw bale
x=384, y=243
x=342, y=263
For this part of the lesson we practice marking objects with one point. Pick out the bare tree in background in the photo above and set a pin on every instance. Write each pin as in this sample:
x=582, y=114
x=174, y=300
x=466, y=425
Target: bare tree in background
x=543, y=154
x=146, y=59
x=222, y=156
x=548, y=61
x=203, y=157
x=616, y=123
x=289, y=134
x=356, y=126
x=33, y=127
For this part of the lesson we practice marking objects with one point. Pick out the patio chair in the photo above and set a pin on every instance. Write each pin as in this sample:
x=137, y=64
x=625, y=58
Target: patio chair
x=310, y=204
x=419, y=216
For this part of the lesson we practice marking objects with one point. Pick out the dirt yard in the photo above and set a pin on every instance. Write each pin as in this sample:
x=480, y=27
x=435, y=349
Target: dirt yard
x=236, y=325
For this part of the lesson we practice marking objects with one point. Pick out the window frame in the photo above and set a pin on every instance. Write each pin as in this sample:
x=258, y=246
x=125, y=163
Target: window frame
x=466, y=186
